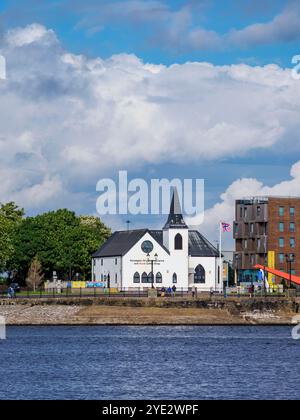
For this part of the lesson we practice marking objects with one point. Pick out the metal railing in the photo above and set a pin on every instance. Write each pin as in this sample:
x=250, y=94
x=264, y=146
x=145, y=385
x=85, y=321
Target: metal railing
x=143, y=293
x=56, y=293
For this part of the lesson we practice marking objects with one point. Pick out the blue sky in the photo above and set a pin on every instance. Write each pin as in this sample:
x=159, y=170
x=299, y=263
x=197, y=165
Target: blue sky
x=103, y=28
x=245, y=36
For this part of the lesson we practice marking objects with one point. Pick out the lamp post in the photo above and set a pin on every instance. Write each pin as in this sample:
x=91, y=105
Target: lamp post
x=237, y=264
x=264, y=279
x=290, y=260
x=152, y=261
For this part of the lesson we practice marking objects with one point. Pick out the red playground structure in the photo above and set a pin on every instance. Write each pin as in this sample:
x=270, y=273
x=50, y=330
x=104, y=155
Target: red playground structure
x=281, y=274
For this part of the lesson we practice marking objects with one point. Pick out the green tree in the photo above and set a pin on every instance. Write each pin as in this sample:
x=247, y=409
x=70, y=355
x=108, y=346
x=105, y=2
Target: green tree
x=10, y=218
x=93, y=233
x=35, y=274
x=62, y=241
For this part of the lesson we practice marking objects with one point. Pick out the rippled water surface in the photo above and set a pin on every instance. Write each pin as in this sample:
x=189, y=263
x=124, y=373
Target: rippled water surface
x=149, y=363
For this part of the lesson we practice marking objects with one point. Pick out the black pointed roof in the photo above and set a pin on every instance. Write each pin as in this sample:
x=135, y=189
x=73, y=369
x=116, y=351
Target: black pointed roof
x=175, y=219
x=121, y=242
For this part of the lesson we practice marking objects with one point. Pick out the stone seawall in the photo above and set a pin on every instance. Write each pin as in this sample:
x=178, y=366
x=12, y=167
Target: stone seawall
x=162, y=311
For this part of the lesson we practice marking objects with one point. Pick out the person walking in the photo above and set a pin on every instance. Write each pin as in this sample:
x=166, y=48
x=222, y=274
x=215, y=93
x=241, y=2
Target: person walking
x=174, y=289
x=10, y=292
x=252, y=290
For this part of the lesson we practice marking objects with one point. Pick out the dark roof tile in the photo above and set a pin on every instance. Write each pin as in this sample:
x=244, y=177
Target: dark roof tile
x=121, y=242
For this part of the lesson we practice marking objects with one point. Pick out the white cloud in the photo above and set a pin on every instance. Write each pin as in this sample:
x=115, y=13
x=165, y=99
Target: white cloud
x=32, y=33
x=224, y=210
x=67, y=120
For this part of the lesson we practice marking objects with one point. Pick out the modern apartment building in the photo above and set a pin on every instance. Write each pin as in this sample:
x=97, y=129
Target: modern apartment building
x=266, y=232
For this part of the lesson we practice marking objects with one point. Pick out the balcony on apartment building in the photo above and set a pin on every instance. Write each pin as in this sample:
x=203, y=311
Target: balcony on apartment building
x=249, y=230
x=247, y=214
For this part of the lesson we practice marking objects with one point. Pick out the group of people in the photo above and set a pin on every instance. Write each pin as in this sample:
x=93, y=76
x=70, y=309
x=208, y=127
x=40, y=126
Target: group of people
x=170, y=291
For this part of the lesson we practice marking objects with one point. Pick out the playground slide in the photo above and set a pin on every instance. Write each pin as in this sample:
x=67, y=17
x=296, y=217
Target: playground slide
x=281, y=274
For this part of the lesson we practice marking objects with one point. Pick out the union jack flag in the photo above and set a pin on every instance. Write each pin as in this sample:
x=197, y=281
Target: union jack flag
x=226, y=227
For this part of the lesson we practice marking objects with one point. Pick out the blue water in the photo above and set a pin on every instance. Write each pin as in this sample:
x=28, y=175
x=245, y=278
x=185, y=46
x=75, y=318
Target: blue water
x=149, y=363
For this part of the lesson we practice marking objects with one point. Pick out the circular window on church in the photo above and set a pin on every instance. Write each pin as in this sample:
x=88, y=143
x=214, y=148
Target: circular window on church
x=147, y=247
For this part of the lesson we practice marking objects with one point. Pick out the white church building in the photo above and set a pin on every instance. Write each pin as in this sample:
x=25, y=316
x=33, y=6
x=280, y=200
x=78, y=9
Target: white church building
x=175, y=255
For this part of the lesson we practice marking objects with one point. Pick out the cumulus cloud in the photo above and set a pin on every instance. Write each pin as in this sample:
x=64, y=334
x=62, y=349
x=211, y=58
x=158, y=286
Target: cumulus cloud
x=67, y=120
x=224, y=209
x=28, y=35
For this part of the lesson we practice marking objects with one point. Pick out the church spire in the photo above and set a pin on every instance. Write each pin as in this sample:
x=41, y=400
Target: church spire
x=175, y=219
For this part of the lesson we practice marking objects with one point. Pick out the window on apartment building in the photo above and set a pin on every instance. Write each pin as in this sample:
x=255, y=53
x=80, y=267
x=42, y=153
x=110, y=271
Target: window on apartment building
x=258, y=243
x=258, y=211
x=292, y=211
x=251, y=228
x=281, y=258
x=281, y=227
x=252, y=259
x=281, y=211
x=281, y=242
x=236, y=229
x=292, y=242
x=245, y=212
x=245, y=244
x=292, y=227
x=265, y=229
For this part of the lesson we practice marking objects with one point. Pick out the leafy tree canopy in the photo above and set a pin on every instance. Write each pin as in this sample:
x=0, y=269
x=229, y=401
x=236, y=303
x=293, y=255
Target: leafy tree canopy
x=10, y=217
x=62, y=241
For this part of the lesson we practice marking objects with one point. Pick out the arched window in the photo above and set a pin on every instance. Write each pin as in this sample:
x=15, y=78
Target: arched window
x=144, y=278
x=199, y=276
x=174, y=278
x=158, y=278
x=137, y=278
x=151, y=278
x=178, y=242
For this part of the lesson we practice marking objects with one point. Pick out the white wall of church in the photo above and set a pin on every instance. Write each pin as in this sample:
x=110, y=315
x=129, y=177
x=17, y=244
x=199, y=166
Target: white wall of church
x=210, y=265
x=122, y=269
x=135, y=261
x=109, y=266
x=179, y=261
